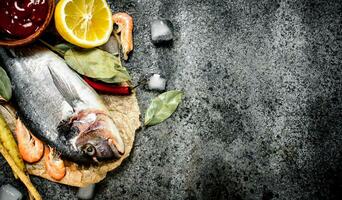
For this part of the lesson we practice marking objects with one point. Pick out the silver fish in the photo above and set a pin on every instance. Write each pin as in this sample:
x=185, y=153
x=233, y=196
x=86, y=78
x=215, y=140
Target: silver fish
x=59, y=107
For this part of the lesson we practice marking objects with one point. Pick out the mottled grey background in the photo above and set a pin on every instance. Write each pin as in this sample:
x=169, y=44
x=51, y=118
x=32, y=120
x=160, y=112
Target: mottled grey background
x=262, y=115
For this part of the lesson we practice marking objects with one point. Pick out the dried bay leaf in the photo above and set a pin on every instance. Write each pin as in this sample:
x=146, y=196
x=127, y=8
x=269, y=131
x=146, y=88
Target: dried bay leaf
x=162, y=107
x=93, y=63
x=64, y=47
x=120, y=77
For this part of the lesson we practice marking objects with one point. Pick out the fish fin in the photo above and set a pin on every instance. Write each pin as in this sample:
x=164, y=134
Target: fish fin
x=67, y=90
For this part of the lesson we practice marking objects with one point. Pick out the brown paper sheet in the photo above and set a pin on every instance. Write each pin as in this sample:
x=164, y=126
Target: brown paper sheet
x=126, y=115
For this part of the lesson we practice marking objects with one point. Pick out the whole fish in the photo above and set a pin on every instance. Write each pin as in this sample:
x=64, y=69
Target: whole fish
x=58, y=107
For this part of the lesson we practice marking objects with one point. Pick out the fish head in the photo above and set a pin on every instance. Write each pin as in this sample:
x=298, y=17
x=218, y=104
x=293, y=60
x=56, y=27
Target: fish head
x=97, y=147
x=97, y=135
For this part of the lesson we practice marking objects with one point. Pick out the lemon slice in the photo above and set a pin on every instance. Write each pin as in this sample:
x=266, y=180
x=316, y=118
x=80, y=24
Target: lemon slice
x=85, y=23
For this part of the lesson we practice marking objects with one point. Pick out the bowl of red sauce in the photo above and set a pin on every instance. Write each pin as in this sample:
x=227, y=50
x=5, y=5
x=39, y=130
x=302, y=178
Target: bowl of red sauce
x=23, y=21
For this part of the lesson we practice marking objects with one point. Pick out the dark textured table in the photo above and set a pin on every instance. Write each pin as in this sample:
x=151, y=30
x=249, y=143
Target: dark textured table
x=262, y=115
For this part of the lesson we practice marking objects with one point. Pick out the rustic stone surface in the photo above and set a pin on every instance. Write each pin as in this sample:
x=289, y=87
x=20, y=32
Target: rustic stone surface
x=261, y=118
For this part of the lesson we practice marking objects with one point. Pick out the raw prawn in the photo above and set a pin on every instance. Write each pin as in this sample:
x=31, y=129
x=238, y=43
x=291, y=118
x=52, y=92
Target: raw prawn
x=54, y=165
x=125, y=28
x=31, y=148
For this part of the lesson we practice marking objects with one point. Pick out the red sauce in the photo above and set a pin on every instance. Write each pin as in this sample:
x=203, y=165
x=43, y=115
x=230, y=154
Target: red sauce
x=21, y=18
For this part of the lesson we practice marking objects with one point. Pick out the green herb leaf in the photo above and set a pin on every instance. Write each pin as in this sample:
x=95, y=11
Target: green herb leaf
x=93, y=63
x=63, y=47
x=120, y=77
x=5, y=85
x=162, y=107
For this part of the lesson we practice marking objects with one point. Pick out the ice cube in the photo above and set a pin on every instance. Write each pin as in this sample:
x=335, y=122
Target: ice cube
x=161, y=31
x=86, y=193
x=156, y=82
x=8, y=192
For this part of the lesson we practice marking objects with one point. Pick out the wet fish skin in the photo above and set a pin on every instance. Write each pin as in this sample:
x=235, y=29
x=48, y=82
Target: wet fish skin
x=47, y=93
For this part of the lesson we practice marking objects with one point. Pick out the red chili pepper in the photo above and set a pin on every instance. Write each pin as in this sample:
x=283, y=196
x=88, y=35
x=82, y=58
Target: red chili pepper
x=107, y=88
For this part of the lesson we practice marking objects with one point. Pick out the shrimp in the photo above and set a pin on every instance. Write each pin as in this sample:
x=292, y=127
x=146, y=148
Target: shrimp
x=53, y=164
x=31, y=148
x=125, y=28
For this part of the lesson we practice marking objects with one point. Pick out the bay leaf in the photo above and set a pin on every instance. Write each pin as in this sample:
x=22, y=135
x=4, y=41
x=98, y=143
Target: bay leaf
x=120, y=77
x=93, y=63
x=162, y=107
x=63, y=47
x=5, y=85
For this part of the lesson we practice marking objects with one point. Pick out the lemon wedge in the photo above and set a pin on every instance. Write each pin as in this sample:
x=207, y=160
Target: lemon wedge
x=84, y=23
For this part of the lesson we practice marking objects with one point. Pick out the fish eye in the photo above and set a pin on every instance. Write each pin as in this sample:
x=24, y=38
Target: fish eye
x=89, y=149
